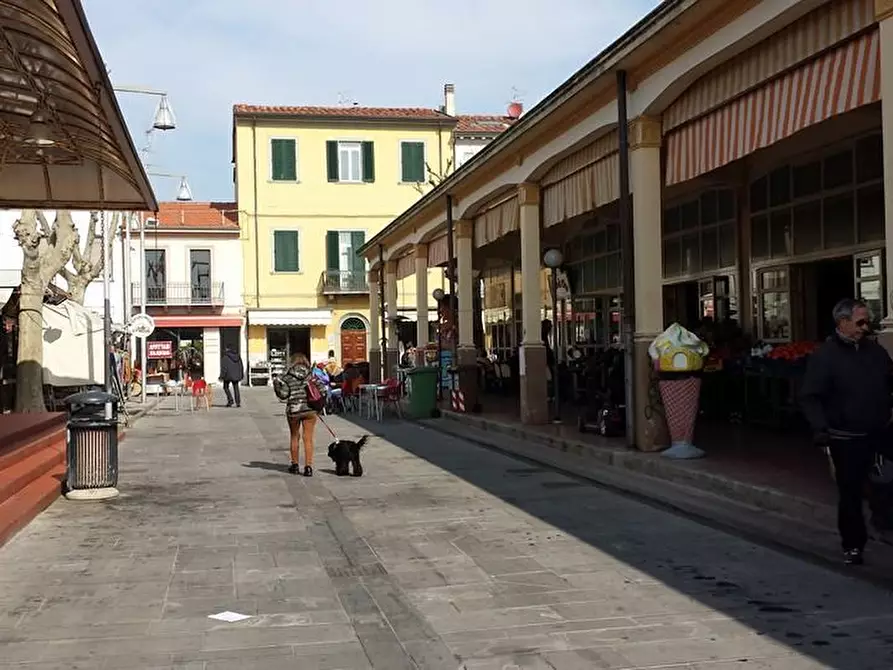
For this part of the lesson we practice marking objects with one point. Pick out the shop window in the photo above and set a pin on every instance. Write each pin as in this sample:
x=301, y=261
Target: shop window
x=726, y=205
x=838, y=220
x=710, y=249
x=759, y=195
x=780, y=187
x=613, y=271
x=728, y=245
x=759, y=238
x=691, y=254
x=689, y=215
x=601, y=242
x=709, y=208
x=774, y=302
x=870, y=214
x=613, y=238
x=807, y=179
x=807, y=233
x=838, y=170
x=870, y=158
x=601, y=274
x=672, y=262
x=771, y=280
x=869, y=283
x=780, y=234
x=671, y=221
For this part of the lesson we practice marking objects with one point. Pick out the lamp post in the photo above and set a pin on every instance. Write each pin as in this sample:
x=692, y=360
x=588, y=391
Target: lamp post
x=553, y=259
x=438, y=295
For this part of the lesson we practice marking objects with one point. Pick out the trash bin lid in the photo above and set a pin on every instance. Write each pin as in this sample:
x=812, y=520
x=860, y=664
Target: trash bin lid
x=92, y=397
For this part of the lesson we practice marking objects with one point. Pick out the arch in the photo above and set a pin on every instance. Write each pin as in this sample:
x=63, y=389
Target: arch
x=539, y=171
x=353, y=338
x=351, y=319
x=398, y=252
x=476, y=206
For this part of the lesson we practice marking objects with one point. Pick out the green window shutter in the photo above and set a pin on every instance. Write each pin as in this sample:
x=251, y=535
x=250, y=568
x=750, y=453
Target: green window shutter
x=284, y=160
x=413, y=162
x=368, y=162
x=333, y=255
x=285, y=251
x=357, y=263
x=332, y=160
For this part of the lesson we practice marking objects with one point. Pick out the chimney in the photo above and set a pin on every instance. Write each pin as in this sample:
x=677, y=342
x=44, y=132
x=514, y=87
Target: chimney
x=449, y=99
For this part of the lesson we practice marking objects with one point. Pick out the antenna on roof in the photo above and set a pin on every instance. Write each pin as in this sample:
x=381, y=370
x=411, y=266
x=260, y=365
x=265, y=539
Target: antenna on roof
x=345, y=99
x=517, y=94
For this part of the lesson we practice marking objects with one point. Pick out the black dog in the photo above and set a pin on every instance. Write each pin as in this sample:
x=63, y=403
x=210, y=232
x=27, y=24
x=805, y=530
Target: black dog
x=346, y=455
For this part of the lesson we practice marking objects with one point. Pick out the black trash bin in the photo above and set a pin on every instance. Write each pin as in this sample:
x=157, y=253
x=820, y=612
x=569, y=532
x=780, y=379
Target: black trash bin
x=92, y=445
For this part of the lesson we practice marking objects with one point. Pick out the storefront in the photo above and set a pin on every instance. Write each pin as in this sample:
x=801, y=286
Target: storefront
x=191, y=345
x=274, y=336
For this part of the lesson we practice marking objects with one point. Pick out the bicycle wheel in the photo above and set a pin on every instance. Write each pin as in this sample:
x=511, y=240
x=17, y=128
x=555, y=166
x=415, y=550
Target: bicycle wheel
x=136, y=389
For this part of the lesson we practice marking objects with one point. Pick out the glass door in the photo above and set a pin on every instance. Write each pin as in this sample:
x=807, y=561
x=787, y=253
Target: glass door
x=200, y=275
x=774, y=292
x=869, y=269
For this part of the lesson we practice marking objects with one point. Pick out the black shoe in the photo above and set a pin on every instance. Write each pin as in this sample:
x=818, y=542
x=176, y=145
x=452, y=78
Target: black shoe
x=294, y=468
x=308, y=471
x=229, y=404
x=239, y=405
x=853, y=557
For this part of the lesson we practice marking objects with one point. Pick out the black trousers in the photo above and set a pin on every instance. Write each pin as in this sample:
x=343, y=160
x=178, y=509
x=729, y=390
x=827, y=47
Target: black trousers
x=235, y=390
x=852, y=464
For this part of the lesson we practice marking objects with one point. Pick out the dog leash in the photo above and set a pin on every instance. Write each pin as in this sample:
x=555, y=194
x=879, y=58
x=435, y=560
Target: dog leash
x=328, y=428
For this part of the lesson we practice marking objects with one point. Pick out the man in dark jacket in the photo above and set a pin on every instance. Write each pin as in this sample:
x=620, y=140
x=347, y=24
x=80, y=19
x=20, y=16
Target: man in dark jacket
x=231, y=373
x=846, y=399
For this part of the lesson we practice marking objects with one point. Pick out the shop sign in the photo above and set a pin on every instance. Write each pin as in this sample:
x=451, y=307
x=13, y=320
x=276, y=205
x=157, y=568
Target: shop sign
x=562, y=285
x=160, y=349
x=141, y=325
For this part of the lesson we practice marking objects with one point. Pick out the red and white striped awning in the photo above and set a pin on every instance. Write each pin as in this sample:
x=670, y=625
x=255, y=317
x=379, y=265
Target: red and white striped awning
x=836, y=82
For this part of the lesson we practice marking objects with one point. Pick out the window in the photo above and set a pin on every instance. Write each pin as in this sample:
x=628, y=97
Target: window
x=285, y=251
x=283, y=160
x=412, y=162
x=156, y=277
x=350, y=162
x=200, y=275
x=344, y=266
x=699, y=235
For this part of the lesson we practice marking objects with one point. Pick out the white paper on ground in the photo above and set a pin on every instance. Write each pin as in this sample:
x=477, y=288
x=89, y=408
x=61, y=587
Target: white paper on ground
x=229, y=617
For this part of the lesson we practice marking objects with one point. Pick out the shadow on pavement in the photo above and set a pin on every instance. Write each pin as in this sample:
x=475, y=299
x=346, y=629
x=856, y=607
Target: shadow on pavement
x=263, y=465
x=837, y=620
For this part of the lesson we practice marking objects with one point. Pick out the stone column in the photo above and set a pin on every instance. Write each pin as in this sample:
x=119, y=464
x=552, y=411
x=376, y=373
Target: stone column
x=392, y=355
x=883, y=10
x=466, y=353
x=421, y=300
x=645, y=183
x=534, y=391
x=374, y=329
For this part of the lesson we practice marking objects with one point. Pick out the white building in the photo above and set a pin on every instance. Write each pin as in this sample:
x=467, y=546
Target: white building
x=475, y=131
x=193, y=284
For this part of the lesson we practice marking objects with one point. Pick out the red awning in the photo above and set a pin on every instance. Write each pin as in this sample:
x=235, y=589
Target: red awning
x=198, y=321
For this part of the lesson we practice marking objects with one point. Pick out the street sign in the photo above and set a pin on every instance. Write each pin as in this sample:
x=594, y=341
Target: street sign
x=160, y=349
x=141, y=325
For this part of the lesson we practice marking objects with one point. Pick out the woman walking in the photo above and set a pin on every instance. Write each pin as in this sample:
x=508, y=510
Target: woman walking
x=293, y=388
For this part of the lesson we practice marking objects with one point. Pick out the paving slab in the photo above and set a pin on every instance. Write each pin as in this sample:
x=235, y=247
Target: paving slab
x=444, y=556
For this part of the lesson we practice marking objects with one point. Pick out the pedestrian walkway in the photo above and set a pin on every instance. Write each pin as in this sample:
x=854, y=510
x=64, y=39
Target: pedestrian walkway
x=444, y=556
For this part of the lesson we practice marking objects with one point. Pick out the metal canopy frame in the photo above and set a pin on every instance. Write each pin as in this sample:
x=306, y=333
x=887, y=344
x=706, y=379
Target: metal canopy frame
x=63, y=140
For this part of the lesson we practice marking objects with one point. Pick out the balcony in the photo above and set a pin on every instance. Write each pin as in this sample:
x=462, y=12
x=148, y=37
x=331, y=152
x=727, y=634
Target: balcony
x=179, y=294
x=343, y=282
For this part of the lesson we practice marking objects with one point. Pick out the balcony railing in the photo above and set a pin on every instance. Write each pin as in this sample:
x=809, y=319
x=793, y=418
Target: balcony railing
x=179, y=294
x=334, y=282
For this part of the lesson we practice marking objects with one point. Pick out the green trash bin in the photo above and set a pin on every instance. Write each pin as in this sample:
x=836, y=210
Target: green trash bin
x=422, y=392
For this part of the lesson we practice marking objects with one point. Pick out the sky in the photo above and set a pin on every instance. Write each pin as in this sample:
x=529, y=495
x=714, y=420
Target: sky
x=209, y=54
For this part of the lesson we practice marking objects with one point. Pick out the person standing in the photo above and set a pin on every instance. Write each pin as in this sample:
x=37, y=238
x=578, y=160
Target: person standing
x=291, y=387
x=846, y=400
x=231, y=373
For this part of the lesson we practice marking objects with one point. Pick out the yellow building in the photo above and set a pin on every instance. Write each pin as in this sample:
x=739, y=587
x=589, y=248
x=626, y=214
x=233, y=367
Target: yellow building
x=313, y=185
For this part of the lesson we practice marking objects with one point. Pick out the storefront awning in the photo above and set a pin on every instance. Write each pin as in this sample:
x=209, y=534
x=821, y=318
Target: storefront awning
x=290, y=317
x=198, y=321
x=64, y=142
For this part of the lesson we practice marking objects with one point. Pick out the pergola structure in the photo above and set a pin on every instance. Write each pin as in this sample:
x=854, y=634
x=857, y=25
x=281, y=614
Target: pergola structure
x=63, y=140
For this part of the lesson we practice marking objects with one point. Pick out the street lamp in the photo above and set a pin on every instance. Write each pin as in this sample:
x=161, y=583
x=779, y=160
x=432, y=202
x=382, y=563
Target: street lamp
x=553, y=258
x=438, y=295
x=184, y=193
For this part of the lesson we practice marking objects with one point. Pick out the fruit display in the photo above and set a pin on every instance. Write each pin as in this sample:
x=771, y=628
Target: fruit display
x=794, y=351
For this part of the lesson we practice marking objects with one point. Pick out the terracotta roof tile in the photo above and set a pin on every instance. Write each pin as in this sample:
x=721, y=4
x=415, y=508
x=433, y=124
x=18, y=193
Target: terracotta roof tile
x=197, y=215
x=483, y=123
x=344, y=112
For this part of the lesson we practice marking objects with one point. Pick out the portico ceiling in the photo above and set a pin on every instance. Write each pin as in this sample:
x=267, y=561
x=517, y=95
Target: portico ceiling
x=63, y=140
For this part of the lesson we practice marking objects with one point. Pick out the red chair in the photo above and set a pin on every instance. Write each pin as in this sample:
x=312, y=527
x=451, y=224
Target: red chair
x=390, y=394
x=201, y=394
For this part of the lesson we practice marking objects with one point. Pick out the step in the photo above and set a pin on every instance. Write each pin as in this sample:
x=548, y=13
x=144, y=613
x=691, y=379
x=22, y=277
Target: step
x=16, y=512
x=22, y=441
x=36, y=464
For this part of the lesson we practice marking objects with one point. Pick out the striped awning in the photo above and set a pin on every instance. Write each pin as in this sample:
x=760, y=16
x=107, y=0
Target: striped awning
x=836, y=82
x=405, y=266
x=438, y=251
x=497, y=221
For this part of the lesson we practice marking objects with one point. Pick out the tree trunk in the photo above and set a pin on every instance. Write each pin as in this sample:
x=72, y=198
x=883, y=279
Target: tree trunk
x=29, y=372
x=77, y=287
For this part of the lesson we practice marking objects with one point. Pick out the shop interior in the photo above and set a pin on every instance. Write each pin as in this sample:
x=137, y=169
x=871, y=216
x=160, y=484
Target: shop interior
x=283, y=343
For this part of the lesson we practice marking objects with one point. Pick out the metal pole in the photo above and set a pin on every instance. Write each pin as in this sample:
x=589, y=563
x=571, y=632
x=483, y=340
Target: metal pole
x=555, y=385
x=128, y=280
x=106, y=301
x=383, y=344
x=627, y=259
x=451, y=277
x=143, y=366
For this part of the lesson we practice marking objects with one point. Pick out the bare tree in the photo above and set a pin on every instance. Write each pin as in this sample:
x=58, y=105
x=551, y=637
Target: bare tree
x=434, y=178
x=46, y=250
x=88, y=262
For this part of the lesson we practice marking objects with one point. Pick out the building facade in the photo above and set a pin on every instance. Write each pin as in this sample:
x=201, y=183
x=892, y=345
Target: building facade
x=314, y=184
x=190, y=279
x=757, y=152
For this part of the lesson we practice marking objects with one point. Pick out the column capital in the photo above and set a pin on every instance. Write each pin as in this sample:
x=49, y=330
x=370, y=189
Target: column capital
x=646, y=131
x=390, y=267
x=528, y=194
x=421, y=252
x=883, y=9
x=464, y=229
x=372, y=277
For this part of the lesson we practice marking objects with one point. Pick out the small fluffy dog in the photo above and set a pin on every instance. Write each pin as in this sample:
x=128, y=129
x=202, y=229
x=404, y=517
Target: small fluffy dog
x=346, y=456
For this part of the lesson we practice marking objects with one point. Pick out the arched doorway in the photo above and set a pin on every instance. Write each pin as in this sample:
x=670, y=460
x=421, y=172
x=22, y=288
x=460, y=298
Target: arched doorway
x=353, y=340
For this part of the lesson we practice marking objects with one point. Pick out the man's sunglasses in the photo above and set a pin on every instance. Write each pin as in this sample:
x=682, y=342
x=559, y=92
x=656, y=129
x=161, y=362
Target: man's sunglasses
x=862, y=323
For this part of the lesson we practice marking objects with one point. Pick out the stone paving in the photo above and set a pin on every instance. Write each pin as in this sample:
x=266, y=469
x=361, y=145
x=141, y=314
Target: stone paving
x=444, y=556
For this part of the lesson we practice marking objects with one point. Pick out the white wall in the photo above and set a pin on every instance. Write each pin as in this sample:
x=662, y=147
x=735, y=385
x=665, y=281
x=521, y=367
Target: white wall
x=465, y=149
x=11, y=262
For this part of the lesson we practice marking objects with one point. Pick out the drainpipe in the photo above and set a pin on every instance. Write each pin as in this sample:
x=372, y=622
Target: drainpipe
x=256, y=256
x=627, y=258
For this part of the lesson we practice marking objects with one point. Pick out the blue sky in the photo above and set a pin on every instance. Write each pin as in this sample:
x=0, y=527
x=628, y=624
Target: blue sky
x=209, y=54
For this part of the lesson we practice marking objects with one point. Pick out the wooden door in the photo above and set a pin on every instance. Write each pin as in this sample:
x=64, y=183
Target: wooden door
x=353, y=346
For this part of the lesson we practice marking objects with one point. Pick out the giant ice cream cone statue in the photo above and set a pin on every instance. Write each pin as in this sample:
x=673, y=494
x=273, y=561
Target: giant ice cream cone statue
x=678, y=356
